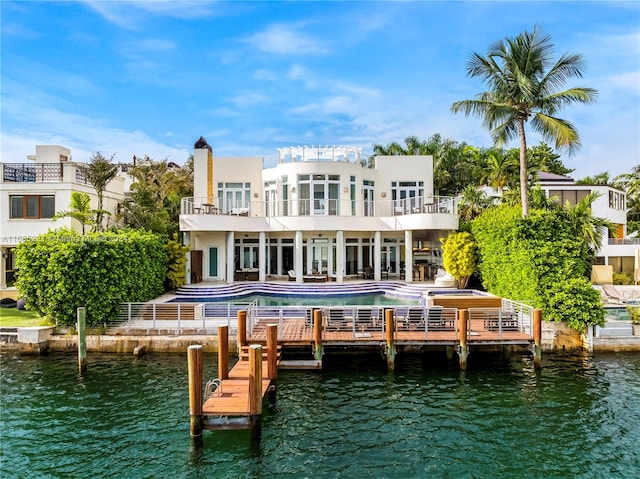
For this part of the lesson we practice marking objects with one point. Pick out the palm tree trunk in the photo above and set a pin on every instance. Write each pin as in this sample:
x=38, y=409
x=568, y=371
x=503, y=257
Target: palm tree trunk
x=524, y=193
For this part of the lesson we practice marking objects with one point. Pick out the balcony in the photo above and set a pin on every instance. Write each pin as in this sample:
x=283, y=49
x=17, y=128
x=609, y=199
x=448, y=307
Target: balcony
x=40, y=173
x=322, y=207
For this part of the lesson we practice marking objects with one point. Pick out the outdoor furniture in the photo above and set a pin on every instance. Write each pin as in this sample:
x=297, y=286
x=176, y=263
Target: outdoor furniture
x=292, y=275
x=435, y=321
x=335, y=319
x=611, y=294
x=415, y=318
x=367, y=273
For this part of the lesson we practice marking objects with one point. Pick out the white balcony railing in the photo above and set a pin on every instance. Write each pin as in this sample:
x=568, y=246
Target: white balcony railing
x=321, y=207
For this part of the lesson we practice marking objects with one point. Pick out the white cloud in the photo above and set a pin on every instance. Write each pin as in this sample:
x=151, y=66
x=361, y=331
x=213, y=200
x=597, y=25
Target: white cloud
x=285, y=40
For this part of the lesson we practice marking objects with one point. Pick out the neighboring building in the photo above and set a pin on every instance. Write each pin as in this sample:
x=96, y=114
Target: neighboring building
x=316, y=215
x=617, y=249
x=32, y=192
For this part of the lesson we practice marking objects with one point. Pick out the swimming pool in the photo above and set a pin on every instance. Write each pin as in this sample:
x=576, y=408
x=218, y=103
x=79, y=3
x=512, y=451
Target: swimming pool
x=377, y=299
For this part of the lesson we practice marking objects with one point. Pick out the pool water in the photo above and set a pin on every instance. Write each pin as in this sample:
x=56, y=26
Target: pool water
x=378, y=299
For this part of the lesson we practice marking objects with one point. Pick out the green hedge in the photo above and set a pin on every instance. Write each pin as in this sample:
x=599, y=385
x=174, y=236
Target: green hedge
x=61, y=271
x=541, y=260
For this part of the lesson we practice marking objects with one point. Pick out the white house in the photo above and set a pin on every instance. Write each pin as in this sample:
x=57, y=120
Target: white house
x=32, y=192
x=617, y=249
x=317, y=214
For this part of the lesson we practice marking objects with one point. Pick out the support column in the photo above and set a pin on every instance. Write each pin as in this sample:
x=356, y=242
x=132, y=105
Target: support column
x=82, y=342
x=377, y=276
x=230, y=259
x=537, y=338
x=262, y=256
x=255, y=390
x=408, y=256
x=389, y=330
x=194, y=365
x=463, y=349
x=186, y=241
x=223, y=352
x=340, y=253
x=298, y=256
x=317, y=334
x=272, y=351
x=242, y=330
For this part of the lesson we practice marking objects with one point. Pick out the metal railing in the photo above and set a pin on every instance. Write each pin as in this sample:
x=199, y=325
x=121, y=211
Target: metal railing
x=31, y=173
x=321, y=207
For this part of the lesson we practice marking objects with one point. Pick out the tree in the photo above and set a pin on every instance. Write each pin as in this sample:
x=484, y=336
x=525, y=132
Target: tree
x=500, y=168
x=459, y=256
x=80, y=210
x=99, y=172
x=522, y=88
x=473, y=202
x=599, y=179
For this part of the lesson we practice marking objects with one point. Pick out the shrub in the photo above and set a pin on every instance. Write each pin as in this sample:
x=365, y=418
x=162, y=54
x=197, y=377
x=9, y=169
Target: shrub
x=176, y=262
x=622, y=278
x=459, y=256
x=61, y=271
x=539, y=260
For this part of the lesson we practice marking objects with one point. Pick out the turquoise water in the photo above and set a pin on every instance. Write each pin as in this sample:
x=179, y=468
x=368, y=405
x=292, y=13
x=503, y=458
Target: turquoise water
x=313, y=300
x=578, y=418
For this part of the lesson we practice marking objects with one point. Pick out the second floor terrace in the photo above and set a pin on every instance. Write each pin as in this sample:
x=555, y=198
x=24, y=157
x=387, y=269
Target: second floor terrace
x=42, y=173
x=320, y=207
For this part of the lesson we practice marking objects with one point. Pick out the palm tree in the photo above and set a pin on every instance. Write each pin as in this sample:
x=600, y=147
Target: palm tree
x=591, y=228
x=500, y=168
x=99, y=172
x=80, y=210
x=521, y=89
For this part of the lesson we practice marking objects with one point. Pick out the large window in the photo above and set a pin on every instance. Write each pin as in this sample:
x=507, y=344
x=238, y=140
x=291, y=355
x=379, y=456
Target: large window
x=617, y=201
x=234, y=197
x=318, y=194
x=407, y=196
x=572, y=196
x=32, y=206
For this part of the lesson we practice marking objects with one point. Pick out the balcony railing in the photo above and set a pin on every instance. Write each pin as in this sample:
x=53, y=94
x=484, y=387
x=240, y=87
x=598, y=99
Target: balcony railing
x=624, y=241
x=31, y=173
x=322, y=207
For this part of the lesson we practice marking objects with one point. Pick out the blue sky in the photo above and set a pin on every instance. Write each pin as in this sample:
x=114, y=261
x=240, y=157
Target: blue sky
x=149, y=78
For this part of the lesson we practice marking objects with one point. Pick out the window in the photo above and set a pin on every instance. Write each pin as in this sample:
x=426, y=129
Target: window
x=234, y=197
x=407, y=195
x=572, y=196
x=616, y=200
x=32, y=206
x=318, y=194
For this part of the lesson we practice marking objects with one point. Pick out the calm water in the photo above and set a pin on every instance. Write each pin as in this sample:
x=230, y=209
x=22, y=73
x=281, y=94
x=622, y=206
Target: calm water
x=579, y=417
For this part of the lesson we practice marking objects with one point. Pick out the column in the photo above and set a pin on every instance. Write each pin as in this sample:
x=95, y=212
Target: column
x=230, y=260
x=298, y=256
x=262, y=256
x=186, y=240
x=340, y=256
x=408, y=256
x=376, y=256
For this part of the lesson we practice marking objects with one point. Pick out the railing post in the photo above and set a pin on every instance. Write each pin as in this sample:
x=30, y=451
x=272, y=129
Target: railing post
x=463, y=348
x=242, y=329
x=194, y=365
x=389, y=335
x=272, y=351
x=317, y=334
x=82, y=343
x=223, y=352
x=537, y=338
x=255, y=390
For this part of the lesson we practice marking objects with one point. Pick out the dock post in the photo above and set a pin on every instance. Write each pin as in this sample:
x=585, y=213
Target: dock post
x=82, y=340
x=317, y=334
x=463, y=349
x=242, y=330
x=194, y=364
x=272, y=351
x=389, y=335
x=223, y=352
x=537, y=338
x=255, y=390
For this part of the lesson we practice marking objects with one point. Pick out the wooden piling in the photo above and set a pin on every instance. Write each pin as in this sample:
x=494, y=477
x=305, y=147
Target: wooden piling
x=537, y=338
x=272, y=351
x=389, y=335
x=82, y=340
x=463, y=348
x=317, y=334
x=223, y=352
x=255, y=390
x=242, y=329
x=194, y=365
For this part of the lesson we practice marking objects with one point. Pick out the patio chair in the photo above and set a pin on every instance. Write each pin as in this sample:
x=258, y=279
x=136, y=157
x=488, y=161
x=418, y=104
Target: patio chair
x=366, y=318
x=336, y=320
x=292, y=275
x=611, y=294
x=415, y=318
x=435, y=320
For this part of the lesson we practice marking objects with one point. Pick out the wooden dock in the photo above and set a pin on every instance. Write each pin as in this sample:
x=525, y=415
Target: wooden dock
x=234, y=399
